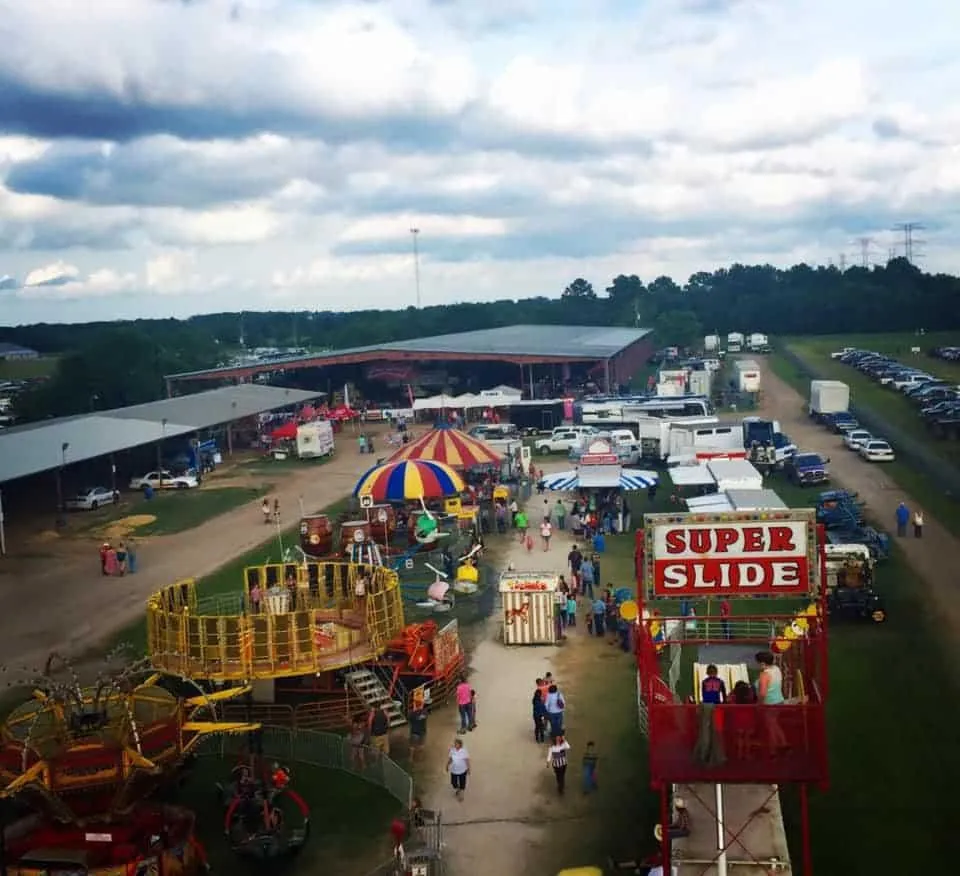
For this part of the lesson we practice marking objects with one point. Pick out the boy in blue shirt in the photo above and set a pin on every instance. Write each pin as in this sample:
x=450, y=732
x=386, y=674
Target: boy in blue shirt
x=712, y=688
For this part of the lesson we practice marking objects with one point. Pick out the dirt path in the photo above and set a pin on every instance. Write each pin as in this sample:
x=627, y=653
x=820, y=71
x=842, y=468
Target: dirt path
x=935, y=557
x=63, y=603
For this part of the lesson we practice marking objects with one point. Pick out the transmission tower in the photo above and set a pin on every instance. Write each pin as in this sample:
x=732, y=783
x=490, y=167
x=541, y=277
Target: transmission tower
x=907, y=229
x=865, y=243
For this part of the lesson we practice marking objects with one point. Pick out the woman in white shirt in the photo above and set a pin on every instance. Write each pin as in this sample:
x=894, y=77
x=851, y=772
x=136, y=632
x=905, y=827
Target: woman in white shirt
x=458, y=765
x=557, y=758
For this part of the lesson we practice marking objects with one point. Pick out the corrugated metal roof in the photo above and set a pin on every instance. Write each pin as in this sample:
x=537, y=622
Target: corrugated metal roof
x=36, y=447
x=575, y=342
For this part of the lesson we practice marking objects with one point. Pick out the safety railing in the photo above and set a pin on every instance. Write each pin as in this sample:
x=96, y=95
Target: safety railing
x=318, y=749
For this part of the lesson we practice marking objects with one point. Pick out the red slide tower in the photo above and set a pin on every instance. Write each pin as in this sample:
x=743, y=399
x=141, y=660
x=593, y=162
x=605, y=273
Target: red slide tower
x=716, y=589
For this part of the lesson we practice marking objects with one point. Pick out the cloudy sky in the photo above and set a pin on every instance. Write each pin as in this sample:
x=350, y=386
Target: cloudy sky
x=169, y=157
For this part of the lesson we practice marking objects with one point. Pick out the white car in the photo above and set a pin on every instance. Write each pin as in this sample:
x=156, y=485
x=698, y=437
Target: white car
x=877, y=450
x=89, y=499
x=856, y=439
x=163, y=480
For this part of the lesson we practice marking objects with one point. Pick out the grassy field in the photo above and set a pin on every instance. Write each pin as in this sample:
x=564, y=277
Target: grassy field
x=914, y=482
x=23, y=369
x=174, y=511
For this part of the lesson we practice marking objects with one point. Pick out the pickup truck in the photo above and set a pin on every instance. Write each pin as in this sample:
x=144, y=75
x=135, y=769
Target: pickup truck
x=560, y=441
x=806, y=469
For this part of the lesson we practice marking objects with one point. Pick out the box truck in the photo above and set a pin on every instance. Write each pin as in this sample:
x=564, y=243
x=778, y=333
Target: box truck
x=746, y=375
x=734, y=342
x=315, y=439
x=828, y=397
x=758, y=343
x=711, y=343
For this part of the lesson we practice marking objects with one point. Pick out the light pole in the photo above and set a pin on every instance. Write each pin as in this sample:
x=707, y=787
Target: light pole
x=163, y=437
x=63, y=464
x=415, y=233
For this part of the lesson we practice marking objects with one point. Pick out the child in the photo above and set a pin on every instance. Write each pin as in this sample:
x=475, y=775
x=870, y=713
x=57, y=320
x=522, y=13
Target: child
x=713, y=689
x=742, y=722
x=571, y=610
x=590, y=759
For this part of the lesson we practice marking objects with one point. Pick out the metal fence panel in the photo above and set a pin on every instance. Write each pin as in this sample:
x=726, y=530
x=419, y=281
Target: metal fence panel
x=319, y=749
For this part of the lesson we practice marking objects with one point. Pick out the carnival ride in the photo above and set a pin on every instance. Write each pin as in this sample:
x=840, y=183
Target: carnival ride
x=85, y=759
x=264, y=817
x=730, y=759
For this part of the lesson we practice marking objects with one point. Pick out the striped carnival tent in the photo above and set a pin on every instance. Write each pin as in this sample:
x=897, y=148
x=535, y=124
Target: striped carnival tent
x=451, y=447
x=622, y=479
x=408, y=480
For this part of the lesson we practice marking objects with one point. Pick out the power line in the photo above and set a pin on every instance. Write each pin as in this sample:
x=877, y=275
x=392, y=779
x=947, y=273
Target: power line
x=907, y=229
x=415, y=233
x=865, y=244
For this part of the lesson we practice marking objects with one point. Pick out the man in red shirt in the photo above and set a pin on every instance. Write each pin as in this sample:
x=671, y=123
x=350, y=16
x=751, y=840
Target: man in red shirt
x=725, y=618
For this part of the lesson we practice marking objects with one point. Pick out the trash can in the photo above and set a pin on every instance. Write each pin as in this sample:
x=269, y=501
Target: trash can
x=147, y=492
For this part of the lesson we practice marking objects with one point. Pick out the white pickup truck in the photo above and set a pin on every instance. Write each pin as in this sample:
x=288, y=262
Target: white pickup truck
x=563, y=439
x=163, y=480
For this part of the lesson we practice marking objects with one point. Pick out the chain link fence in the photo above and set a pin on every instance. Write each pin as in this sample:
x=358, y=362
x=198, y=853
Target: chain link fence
x=912, y=449
x=319, y=749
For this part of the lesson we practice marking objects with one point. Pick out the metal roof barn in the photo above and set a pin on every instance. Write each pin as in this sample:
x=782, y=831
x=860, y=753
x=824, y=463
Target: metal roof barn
x=37, y=447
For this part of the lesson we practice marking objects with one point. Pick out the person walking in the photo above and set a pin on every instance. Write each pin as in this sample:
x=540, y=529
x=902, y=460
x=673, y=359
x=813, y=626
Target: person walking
x=276, y=511
x=559, y=610
x=575, y=561
x=918, y=524
x=903, y=518
x=417, y=718
x=557, y=758
x=522, y=524
x=590, y=761
x=465, y=705
x=560, y=515
x=265, y=509
x=378, y=726
x=539, y=713
x=458, y=765
x=770, y=693
x=546, y=530
x=587, y=579
x=556, y=706
x=725, y=618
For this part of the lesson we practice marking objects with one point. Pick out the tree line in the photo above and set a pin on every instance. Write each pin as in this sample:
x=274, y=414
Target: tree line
x=113, y=364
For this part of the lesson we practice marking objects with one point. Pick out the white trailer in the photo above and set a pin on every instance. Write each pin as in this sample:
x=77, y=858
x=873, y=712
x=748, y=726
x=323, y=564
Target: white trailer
x=757, y=342
x=315, y=439
x=747, y=375
x=700, y=382
x=735, y=342
x=711, y=343
x=828, y=397
x=703, y=442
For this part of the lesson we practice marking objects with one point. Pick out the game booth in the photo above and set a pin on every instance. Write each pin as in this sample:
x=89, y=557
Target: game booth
x=750, y=590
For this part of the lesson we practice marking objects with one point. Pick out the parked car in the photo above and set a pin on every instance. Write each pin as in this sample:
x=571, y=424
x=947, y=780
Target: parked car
x=807, y=469
x=163, y=480
x=91, y=498
x=856, y=438
x=841, y=427
x=877, y=450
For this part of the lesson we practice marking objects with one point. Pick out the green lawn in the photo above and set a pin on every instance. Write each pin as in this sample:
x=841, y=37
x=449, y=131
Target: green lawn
x=914, y=482
x=23, y=369
x=176, y=510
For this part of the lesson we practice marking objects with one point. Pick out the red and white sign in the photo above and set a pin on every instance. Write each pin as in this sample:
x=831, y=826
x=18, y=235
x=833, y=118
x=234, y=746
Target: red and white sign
x=531, y=582
x=599, y=453
x=734, y=558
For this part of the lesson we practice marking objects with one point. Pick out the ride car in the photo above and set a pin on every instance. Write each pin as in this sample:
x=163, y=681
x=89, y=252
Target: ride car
x=89, y=499
x=164, y=480
x=877, y=450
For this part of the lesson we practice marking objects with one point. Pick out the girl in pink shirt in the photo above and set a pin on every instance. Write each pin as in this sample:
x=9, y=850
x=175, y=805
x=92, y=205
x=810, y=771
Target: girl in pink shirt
x=465, y=705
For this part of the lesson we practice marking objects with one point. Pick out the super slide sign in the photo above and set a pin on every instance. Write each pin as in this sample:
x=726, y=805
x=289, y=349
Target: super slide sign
x=730, y=555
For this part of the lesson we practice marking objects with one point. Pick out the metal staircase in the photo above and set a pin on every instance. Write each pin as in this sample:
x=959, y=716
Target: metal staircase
x=369, y=688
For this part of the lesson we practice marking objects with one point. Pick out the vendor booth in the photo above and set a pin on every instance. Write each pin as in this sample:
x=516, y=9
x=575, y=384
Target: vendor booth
x=529, y=607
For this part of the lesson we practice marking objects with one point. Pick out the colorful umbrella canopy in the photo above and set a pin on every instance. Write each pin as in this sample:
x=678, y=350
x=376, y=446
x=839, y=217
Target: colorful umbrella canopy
x=409, y=479
x=451, y=447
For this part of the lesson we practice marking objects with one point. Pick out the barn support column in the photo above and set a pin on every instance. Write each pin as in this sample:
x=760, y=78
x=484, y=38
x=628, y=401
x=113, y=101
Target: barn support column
x=533, y=393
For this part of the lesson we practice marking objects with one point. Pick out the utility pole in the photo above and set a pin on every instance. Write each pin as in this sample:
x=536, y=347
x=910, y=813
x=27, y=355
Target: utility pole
x=909, y=241
x=415, y=233
x=865, y=244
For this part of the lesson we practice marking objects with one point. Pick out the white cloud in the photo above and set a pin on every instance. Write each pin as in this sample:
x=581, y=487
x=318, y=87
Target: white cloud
x=184, y=156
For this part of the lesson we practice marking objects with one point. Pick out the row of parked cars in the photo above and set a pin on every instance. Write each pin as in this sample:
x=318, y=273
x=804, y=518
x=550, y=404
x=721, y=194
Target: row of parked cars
x=948, y=354
x=937, y=400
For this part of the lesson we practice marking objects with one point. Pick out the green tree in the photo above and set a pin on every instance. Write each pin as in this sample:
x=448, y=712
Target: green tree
x=580, y=289
x=678, y=327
